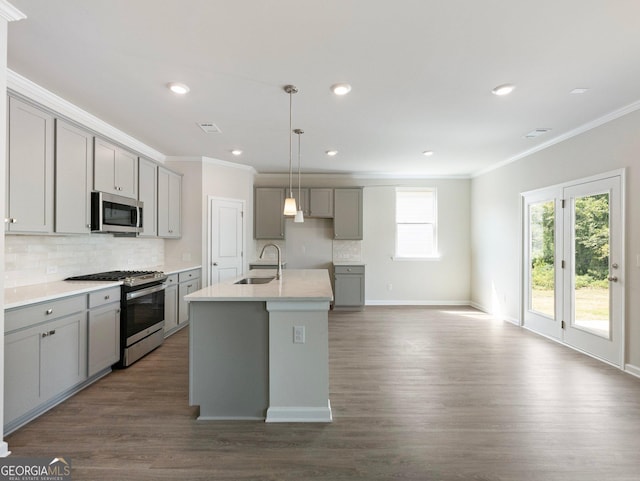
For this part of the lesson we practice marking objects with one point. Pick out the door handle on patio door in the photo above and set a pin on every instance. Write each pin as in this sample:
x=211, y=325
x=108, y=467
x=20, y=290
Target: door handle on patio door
x=613, y=279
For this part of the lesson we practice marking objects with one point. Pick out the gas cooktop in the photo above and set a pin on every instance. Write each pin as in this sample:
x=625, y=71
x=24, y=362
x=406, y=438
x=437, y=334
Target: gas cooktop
x=129, y=278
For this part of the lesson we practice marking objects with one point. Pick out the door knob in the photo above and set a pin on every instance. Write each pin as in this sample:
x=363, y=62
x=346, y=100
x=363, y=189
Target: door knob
x=613, y=279
x=214, y=263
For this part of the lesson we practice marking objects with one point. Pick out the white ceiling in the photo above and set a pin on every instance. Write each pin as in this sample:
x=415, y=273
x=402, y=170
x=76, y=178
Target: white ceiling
x=421, y=70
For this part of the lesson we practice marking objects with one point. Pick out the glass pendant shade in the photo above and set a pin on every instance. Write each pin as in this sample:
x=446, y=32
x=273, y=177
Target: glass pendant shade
x=299, y=217
x=290, y=206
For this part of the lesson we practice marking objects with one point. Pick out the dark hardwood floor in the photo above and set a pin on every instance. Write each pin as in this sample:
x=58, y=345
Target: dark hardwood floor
x=417, y=394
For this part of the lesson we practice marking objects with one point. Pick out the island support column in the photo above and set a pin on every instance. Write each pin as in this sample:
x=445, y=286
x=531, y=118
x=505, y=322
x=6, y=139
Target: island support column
x=298, y=371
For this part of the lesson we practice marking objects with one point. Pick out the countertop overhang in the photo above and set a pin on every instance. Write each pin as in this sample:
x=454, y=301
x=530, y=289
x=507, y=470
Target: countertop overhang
x=295, y=285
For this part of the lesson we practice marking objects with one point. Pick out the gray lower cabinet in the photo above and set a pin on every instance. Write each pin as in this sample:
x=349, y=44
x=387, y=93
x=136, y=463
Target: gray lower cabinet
x=268, y=213
x=29, y=207
x=348, y=287
x=73, y=179
x=189, y=281
x=171, y=304
x=45, y=360
x=347, y=219
x=103, y=330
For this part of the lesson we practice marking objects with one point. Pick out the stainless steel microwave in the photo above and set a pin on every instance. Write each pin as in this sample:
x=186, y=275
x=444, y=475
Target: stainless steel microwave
x=115, y=214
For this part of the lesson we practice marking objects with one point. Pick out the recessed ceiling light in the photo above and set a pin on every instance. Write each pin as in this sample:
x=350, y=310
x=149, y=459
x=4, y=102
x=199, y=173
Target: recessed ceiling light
x=505, y=89
x=341, y=88
x=579, y=91
x=178, y=88
x=331, y=153
x=236, y=152
x=427, y=153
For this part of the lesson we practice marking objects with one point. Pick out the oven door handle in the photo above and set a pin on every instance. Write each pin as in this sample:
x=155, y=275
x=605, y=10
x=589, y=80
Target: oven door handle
x=144, y=292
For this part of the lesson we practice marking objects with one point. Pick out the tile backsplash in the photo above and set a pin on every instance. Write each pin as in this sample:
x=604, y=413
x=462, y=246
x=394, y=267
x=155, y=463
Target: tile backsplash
x=346, y=250
x=37, y=259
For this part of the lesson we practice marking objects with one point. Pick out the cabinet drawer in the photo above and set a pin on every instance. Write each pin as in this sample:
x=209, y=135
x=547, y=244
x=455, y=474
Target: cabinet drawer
x=349, y=269
x=22, y=317
x=172, y=280
x=188, y=275
x=105, y=296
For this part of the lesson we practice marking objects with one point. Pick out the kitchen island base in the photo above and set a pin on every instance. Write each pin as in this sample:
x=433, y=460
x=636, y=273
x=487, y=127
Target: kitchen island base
x=261, y=351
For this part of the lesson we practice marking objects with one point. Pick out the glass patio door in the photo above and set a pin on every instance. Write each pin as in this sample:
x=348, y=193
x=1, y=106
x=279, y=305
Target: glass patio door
x=573, y=269
x=593, y=293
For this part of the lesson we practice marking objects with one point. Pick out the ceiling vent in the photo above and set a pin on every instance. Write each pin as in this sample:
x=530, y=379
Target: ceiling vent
x=209, y=127
x=536, y=133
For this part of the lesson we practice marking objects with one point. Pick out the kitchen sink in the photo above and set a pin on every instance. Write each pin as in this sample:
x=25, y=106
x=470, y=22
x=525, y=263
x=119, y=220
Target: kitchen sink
x=255, y=280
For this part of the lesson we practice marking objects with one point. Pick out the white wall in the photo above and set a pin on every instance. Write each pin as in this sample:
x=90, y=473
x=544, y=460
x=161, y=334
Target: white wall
x=442, y=281
x=204, y=177
x=496, y=223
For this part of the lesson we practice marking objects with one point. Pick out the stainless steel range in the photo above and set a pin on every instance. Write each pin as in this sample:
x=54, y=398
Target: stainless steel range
x=142, y=311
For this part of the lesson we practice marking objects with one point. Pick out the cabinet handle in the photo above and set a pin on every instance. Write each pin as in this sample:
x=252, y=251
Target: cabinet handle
x=349, y=269
x=51, y=333
x=189, y=286
x=13, y=220
x=106, y=298
x=45, y=334
x=48, y=311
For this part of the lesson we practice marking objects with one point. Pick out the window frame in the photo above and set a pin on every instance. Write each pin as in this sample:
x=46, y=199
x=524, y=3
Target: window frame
x=435, y=254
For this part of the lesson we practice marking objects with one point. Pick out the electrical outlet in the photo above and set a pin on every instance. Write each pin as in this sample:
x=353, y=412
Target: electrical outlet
x=389, y=287
x=298, y=335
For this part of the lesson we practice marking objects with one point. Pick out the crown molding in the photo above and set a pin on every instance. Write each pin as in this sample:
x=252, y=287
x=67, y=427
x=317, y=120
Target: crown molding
x=616, y=114
x=10, y=13
x=34, y=92
x=212, y=161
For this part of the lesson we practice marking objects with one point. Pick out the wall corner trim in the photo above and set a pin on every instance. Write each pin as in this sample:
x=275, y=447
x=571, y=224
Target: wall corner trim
x=633, y=370
x=10, y=13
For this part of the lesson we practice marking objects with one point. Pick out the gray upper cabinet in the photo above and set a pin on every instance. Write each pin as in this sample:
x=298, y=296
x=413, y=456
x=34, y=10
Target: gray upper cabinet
x=267, y=214
x=73, y=179
x=148, y=195
x=321, y=202
x=29, y=206
x=302, y=200
x=115, y=170
x=347, y=220
x=169, y=203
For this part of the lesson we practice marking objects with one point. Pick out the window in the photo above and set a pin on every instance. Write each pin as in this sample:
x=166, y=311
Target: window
x=416, y=233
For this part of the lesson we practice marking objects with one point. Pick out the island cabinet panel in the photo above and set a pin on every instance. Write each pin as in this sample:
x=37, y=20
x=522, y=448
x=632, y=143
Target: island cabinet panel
x=29, y=207
x=73, y=179
x=347, y=219
x=148, y=195
x=169, y=203
x=321, y=202
x=115, y=170
x=268, y=213
x=229, y=360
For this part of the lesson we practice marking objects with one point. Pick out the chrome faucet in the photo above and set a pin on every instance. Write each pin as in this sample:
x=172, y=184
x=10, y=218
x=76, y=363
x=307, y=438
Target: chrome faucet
x=279, y=273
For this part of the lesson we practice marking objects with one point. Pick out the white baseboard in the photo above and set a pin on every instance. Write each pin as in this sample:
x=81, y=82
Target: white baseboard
x=4, y=449
x=486, y=310
x=299, y=414
x=633, y=370
x=416, y=303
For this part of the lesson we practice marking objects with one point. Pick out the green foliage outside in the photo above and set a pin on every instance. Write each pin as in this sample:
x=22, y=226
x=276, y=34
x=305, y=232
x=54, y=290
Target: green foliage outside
x=591, y=243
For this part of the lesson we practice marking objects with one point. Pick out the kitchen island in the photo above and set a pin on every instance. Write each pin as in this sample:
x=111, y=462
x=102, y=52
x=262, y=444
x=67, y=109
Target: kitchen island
x=261, y=350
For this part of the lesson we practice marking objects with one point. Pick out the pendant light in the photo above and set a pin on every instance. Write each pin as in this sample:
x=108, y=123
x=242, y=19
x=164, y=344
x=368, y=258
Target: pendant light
x=299, y=215
x=290, y=202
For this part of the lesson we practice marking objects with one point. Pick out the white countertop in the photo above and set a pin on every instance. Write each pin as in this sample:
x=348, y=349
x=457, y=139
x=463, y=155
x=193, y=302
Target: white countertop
x=295, y=284
x=47, y=291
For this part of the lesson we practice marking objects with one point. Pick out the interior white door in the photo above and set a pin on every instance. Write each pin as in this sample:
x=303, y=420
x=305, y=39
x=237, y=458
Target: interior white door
x=226, y=235
x=594, y=269
x=574, y=266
